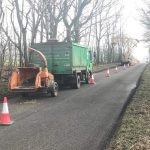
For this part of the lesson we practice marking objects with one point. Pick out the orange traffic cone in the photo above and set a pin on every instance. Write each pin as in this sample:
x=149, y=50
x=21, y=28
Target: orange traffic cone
x=92, y=81
x=124, y=67
x=5, y=117
x=107, y=73
x=116, y=69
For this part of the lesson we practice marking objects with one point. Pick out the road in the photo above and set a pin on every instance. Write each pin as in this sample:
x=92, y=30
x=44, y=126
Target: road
x=75, y=120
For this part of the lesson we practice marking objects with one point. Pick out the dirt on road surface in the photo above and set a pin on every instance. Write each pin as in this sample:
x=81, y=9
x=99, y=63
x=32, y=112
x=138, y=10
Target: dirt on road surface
x=75, y=120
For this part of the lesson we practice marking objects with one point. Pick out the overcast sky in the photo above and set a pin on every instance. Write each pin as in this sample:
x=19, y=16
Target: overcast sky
x=133, y=26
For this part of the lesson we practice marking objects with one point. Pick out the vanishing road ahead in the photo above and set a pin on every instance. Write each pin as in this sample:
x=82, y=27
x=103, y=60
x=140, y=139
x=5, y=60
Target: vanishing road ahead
x=75, y=120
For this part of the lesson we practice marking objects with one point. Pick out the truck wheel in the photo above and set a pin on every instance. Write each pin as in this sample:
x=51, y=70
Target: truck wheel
x=77, y=84
x=54, y=90
x=87, y=81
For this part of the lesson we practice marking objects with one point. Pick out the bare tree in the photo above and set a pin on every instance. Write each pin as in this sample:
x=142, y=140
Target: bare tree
x=145, y=20
x=1, y=12
x=104, y=27
x=3, y=42
x=21, y=32
x=92, y=22
x=55, y=10
x=73, y=22
x=3, y=48
x=36, y=16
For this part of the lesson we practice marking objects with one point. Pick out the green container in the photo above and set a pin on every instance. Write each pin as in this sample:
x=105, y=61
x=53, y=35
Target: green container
x=63, y=58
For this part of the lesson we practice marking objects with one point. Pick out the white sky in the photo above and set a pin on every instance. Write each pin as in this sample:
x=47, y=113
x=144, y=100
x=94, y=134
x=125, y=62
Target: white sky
x=133, y=26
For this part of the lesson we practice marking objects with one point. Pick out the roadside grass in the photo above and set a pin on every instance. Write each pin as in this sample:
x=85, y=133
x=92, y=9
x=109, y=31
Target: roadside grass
x=134, y=130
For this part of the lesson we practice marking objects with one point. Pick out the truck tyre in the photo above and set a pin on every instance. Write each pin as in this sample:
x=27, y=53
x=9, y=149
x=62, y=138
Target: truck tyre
x=54, y=90
x=77, y=83
x=87, y=81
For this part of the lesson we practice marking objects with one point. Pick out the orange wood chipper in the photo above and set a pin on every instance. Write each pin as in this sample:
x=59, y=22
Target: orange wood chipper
x=33, y=78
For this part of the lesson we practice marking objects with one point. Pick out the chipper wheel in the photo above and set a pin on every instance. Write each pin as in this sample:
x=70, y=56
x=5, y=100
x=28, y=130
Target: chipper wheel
x=54, y=89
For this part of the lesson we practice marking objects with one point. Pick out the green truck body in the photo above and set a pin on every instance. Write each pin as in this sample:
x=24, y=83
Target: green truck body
x=68, y=61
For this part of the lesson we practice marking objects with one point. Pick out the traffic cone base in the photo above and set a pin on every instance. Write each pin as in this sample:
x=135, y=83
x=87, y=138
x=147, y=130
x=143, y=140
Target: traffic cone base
x=116, y=69
x=124, y=67
x=107, y=73
x=6, y=124
x=92, y=81
x=5, y=117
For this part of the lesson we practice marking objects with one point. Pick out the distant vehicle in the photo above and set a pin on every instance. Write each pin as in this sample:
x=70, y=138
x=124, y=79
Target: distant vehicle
x=33, y=78
x=126, y=59
x=125, y=62
x=71, y=63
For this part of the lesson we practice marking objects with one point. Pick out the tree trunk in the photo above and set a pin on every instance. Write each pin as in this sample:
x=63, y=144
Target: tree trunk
x=68, y=34
x=25, y=47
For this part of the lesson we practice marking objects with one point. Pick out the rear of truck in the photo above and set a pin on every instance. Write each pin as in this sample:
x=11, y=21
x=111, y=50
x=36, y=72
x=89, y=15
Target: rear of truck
x=69, y=62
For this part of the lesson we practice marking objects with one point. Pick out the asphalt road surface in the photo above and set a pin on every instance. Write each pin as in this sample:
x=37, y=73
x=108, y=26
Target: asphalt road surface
x=75, y=120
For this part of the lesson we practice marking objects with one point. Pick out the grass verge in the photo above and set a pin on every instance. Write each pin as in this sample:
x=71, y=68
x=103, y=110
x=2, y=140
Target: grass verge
x=134, y=130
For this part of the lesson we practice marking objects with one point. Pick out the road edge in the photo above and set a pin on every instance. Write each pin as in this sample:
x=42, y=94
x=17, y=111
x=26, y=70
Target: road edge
x=105, y=143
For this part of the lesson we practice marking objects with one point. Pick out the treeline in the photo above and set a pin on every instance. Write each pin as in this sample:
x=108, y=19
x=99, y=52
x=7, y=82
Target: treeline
x=145, y=20
x=96, y=23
